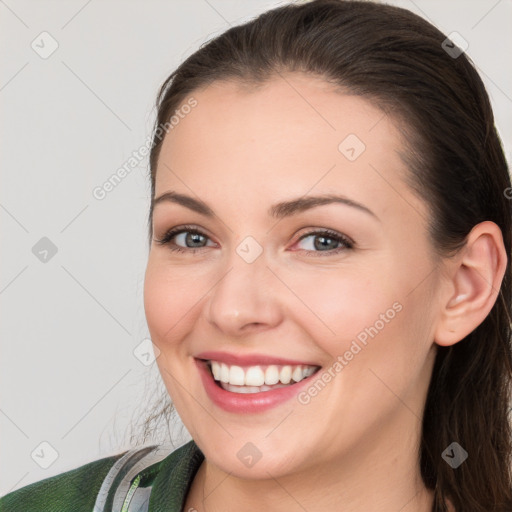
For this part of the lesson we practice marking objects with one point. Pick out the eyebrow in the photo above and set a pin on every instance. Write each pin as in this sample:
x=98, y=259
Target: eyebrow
x=278, y=211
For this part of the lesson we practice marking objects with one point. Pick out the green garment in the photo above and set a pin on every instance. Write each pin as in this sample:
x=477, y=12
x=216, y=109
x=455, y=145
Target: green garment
x=76, y=490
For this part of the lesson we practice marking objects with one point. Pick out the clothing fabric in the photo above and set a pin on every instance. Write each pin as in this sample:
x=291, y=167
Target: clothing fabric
x=165, y=483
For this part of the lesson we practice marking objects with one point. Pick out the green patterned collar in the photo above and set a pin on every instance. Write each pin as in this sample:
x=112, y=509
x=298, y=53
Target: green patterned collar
x=171, y=478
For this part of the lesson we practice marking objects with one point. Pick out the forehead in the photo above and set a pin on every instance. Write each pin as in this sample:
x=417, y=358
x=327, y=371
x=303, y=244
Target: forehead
x=287, y=136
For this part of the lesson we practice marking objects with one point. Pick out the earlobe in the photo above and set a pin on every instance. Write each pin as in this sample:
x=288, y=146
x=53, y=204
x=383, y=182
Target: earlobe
x=476, y=277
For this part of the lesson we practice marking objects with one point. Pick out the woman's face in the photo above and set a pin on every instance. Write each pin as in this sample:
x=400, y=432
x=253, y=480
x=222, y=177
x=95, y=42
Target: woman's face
x=266, y=281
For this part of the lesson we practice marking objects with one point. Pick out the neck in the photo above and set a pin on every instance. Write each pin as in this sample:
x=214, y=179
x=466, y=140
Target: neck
x=374, y=476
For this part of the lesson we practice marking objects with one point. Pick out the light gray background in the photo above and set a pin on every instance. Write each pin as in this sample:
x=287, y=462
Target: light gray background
x=69, y=326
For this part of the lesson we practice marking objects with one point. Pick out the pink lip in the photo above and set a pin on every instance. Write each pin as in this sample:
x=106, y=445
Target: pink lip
x=249, y=360
x=247, y=402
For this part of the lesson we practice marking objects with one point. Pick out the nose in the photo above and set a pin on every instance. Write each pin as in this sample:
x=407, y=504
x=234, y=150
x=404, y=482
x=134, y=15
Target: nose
x=245, y=299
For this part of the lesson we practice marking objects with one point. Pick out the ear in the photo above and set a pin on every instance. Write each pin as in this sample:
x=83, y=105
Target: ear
x=474, y=281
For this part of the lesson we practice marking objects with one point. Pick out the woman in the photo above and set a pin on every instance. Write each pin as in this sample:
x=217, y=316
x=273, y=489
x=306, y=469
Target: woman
x=374, y=376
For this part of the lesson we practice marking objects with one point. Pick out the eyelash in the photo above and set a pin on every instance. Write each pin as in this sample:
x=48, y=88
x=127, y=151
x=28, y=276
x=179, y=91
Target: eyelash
x=166, y=240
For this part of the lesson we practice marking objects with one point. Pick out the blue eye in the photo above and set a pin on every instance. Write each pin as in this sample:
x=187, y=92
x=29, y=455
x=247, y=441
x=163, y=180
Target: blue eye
x=192, y=236
x=325, y=241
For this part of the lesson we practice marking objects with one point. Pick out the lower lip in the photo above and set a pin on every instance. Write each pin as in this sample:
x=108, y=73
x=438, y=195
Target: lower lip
x=247, y=402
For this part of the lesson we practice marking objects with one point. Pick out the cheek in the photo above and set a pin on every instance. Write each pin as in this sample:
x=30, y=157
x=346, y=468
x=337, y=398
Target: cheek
x=168, y=302
x=366, y=320
x=340, y=305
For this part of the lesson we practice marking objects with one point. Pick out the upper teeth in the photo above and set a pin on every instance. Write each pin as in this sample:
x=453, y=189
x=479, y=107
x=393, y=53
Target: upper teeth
x=260, y=375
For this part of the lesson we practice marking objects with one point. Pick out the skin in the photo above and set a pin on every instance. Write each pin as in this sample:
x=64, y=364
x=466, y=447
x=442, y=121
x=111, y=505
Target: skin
x=354, y=446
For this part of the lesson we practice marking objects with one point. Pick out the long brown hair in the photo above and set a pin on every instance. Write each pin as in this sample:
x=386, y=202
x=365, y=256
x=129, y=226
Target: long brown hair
x=400, y=62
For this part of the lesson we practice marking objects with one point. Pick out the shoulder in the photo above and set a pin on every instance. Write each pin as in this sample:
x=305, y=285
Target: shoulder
x=113, y=482
x=73, y=490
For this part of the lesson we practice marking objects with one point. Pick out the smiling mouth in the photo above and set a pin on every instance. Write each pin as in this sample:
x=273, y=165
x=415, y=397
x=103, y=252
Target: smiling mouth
x=257, y=378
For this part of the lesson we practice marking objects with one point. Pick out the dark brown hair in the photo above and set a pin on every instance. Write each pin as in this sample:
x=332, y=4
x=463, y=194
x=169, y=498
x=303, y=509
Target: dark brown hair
x=398, y=61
